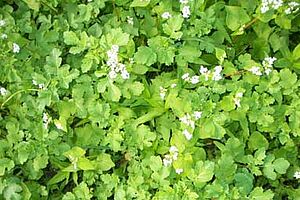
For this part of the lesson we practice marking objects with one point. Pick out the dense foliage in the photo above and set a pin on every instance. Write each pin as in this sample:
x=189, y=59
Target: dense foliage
x=149, y=99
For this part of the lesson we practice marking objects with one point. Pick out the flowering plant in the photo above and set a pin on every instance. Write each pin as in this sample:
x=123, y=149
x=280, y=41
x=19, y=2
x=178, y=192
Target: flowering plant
x=149, y=99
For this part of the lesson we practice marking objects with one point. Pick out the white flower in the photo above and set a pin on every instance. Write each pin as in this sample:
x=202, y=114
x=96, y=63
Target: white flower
x=115, y=66
x=166, y=15
x=173, y=85
x=203, y=70
x=125, y=74
x=179, y=171
x=239, y=94
x=34, y=82
x=264, y=9
x=183, y=1
x=130, y=20
x=186, y=77
x=255, y=70
x=167, y=160
x=297, y=175
x=268, y=64
x=187, y=134
x=173, y=152
x=112, y=75
x=2, y=22
x=162, y=92
x=59, y=125
x=41, y=85
x=269, y=61
x=115, y=48
x=197, y=115
x=270, y=4
x=268, y=71
x=186, y=119
x=45, y=117
x=195, y=79
x=237, y=99
x=217, y=73
x=46, y=120
x=173, y=149
x=16, y=48
x=186, y=12
x=288, y=11
x=89, y=0
x=131, y=60
x=3, y=36
x=3, y=91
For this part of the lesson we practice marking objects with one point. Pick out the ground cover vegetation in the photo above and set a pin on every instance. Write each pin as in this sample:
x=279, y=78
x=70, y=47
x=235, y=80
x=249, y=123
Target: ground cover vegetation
x=149, y=99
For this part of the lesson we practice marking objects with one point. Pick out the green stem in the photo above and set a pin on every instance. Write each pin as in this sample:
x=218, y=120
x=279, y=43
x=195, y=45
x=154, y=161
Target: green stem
x=14, y=94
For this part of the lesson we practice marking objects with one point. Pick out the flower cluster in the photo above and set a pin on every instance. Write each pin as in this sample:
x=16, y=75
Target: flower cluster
x=130, y=20
x=169, y=158
x=162, y=92
x=297, y=175
x=237, y=99
x=255, y=70
x=292, y=7
x=3, y=36
x=194, y=79
x=3, y=91
x=46, y=120
x=2, y=23
x=185, y=9
x=188, y=121
x=270, y=4
x=267, y=64
x=16, y=48
x=40, y=85
x=179, y=171
x=115, y=66
x=166, y=15
x=216, y=74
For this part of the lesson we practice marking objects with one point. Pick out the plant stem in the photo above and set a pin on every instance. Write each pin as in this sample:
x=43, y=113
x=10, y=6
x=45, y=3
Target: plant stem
x=14, y=94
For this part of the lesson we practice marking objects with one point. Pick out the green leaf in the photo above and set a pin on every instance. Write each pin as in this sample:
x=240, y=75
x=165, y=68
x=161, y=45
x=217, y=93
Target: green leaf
x=155, y=163
x=85, y=164
x=104, y=162
x=281, y=165
x=70, y=38
x=136, y=88
x=211, y=129
x=115, y=37
x=244, y=181
x=114, y=92
x=140, y=3
x=13, y=192
x=236, y=17
x=259, y=194
x=33, y=4
x=60, y=176
x=227, y=103
x=54, y=59
x=173, y=26
x=296, y=52
x=145, y=55
x=5, y=165
x=40, y=162
x=204, y=171
x=257, y=141
x=164, y=50
x=287, y=78
x=74, y=153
